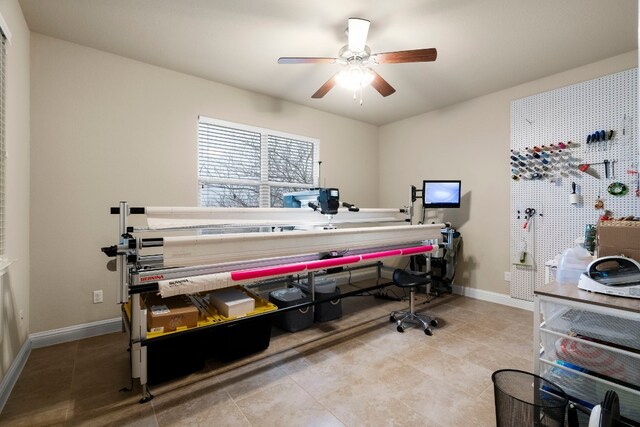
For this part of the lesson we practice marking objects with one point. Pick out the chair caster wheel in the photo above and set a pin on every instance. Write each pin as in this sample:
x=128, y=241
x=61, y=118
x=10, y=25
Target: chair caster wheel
x=400, y=328
x=392, y=319
x=428, y=332
x=434, y=323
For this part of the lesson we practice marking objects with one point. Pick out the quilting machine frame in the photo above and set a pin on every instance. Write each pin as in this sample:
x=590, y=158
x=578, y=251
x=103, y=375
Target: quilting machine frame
x=139, y=274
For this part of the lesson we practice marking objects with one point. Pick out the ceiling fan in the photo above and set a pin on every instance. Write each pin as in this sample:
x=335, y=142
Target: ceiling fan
x=356, y=57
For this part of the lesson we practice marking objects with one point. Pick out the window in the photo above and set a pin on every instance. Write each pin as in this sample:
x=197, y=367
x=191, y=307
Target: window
x=3, y=152
x=245, y=166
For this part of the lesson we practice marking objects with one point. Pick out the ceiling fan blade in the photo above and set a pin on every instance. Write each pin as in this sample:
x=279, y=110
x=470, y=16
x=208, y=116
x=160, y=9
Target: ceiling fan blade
x=305, y=60
x=381, y=85
x=418, y=55
x=358, y=30
x=326, y=87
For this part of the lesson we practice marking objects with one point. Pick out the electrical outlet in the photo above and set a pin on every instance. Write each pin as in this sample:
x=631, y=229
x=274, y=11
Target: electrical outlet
x=97, y=296
x=507, y=276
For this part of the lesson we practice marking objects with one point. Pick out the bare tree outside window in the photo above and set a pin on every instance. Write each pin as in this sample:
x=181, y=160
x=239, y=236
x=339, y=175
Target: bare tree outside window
x=229, y=196
x=277, y=195
x=241, y=166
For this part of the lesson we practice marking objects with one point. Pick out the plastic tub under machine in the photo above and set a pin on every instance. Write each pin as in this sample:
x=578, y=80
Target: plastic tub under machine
x=326, y=288
x=292, y=320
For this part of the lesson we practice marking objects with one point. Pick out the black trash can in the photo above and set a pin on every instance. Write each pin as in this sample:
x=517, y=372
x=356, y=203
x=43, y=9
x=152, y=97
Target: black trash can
x=524, y=399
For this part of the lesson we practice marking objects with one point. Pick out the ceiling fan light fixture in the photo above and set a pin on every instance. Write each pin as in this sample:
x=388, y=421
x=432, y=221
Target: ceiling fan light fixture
x=355, y=58
x=355, y=77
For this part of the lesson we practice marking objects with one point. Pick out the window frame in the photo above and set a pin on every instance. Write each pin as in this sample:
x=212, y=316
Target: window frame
x=5, y=36
x=263, y=184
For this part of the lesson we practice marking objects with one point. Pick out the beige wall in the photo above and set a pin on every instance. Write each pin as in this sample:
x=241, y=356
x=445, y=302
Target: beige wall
x=106, y=128
x=14, y=284
x=470, y=141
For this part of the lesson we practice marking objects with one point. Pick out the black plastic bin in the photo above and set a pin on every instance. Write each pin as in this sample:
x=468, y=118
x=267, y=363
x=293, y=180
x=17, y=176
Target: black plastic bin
x=331, y=309
x=524, y=399
x=238, y=339
x=174, y=357
x=325, y=289
x=292, y=320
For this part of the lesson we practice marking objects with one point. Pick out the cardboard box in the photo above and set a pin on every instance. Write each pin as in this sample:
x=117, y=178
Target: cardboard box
x=169, y=314
x=619, y=238
x=232, y=302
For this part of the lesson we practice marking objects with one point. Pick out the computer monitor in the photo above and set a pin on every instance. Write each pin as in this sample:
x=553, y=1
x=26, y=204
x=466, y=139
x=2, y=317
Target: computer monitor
x=441, y=193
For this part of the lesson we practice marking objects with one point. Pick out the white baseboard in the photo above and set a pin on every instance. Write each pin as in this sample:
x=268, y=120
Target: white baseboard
x=11, y=376
x=492, y=297
x=77, y=332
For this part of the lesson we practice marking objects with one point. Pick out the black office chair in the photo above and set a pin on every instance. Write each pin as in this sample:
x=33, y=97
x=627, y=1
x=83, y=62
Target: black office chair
x=404, y=279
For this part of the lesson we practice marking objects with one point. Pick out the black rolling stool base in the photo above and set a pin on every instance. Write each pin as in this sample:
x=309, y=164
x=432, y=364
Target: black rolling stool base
x=405, y=279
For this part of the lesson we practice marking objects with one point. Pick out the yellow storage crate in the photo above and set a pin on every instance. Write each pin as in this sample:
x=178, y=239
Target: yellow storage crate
x=208, y=314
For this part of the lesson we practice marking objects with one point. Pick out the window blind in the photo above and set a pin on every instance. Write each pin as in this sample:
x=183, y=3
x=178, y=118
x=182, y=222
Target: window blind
x=3, y=152
x=290, y=160
x=228, y=153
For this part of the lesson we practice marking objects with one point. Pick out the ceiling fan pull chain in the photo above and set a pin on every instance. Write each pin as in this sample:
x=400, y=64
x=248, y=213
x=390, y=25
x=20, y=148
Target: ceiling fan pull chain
x=355, y=95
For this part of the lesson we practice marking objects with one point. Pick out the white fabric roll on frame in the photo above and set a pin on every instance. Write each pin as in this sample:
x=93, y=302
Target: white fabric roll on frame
x=159, y=218
x=182, y=251
x=208, y=282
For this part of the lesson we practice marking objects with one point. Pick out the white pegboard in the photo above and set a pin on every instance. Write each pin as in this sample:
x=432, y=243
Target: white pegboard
x=570, y=114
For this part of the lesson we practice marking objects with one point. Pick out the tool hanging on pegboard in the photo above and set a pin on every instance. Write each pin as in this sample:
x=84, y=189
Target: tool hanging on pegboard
x=525, y=257
x=529, y=213
x=634, y=171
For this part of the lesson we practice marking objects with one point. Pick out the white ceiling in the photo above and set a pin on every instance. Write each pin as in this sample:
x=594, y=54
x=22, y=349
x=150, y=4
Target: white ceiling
x=483, y=45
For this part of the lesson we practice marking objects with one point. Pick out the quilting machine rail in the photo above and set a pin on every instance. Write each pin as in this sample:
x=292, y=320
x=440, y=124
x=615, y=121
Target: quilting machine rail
x=276, y=247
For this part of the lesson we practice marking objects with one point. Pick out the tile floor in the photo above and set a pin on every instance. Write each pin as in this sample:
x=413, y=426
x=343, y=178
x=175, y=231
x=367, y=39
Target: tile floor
x=355, y=371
